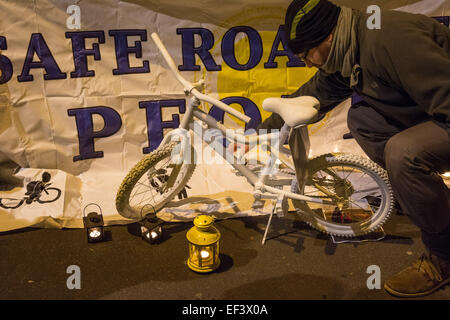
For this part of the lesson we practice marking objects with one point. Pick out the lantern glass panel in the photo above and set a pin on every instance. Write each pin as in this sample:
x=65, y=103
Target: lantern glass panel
x=203, y=256
x=95, y=234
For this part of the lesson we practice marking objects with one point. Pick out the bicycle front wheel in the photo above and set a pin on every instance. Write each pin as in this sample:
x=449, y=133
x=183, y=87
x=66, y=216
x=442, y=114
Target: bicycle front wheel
x=49, y=195
x=359, y=189
x=154, y=181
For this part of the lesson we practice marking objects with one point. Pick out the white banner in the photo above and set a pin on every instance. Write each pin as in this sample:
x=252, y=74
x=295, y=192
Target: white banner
x=85, y=94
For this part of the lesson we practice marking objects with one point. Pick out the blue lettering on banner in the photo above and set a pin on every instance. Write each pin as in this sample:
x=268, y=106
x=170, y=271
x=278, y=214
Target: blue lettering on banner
x=228, y=50
x=155, y=124
x=123, y=51
x=85, y=128
x=39, y=47
x=80, y=52
x=189, y=50
x=444, y=20
x=6, y=67
x=250, y=109
x=294, y=61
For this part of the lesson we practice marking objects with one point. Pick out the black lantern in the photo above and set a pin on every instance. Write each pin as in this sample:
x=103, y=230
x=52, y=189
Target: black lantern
x=93, y=224
x=151, y=228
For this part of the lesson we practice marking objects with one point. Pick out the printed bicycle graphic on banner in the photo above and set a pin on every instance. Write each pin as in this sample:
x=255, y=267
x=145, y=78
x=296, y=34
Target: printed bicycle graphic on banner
x=37, y=191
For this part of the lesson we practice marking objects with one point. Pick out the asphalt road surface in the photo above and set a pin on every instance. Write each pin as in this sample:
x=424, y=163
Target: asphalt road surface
x=296, y=263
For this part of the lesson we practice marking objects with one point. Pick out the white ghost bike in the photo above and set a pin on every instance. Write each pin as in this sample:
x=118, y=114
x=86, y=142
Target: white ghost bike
x=341, y=194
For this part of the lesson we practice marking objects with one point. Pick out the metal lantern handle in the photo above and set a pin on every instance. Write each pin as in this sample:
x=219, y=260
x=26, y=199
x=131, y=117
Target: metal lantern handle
x=142, y=209
x=89, y=205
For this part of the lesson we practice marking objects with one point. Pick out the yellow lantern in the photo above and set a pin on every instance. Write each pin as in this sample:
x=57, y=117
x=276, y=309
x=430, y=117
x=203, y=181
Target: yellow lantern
x=203, y=245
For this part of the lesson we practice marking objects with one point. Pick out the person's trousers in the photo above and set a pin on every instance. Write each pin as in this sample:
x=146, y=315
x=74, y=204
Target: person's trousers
x=413, y=158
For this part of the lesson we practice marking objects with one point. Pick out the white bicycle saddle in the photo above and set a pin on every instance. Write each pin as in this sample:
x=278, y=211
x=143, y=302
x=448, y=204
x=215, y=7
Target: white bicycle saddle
x=294, y=111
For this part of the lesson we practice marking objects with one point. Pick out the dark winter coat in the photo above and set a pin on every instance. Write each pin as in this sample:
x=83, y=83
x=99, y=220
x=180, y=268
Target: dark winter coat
x=405, y=72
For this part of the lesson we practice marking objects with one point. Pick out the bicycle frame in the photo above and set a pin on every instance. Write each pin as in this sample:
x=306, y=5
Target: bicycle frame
x=262, y=189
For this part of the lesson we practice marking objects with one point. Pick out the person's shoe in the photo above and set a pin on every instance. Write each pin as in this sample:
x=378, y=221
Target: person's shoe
x=425, y=276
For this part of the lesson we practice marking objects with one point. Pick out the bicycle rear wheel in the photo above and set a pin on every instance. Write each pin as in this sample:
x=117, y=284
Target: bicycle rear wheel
x=153, y=181
x=10, y=203
x=359, y=188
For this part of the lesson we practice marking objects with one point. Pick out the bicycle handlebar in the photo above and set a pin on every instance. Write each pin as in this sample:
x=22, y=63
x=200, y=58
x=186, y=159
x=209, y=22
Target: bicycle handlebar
x=190, y=87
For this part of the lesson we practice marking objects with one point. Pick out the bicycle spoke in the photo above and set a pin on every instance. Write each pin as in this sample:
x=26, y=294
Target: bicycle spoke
x=366, y=190
x=148, y=189
x=143, y=198
x=349, y=174
x=328, y=180
x=139, y=192
x=356, y=182
x=142, y=184
x=143, y=192
x=356, y=204
x=323, y=185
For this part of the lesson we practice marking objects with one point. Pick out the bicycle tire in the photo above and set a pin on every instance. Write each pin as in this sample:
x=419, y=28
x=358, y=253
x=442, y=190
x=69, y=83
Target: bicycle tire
x=353, y=229
x=137, y=172
x=58, y=191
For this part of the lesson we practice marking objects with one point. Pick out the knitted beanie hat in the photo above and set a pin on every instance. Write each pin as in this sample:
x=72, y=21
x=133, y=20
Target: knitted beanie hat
x=308, y=23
